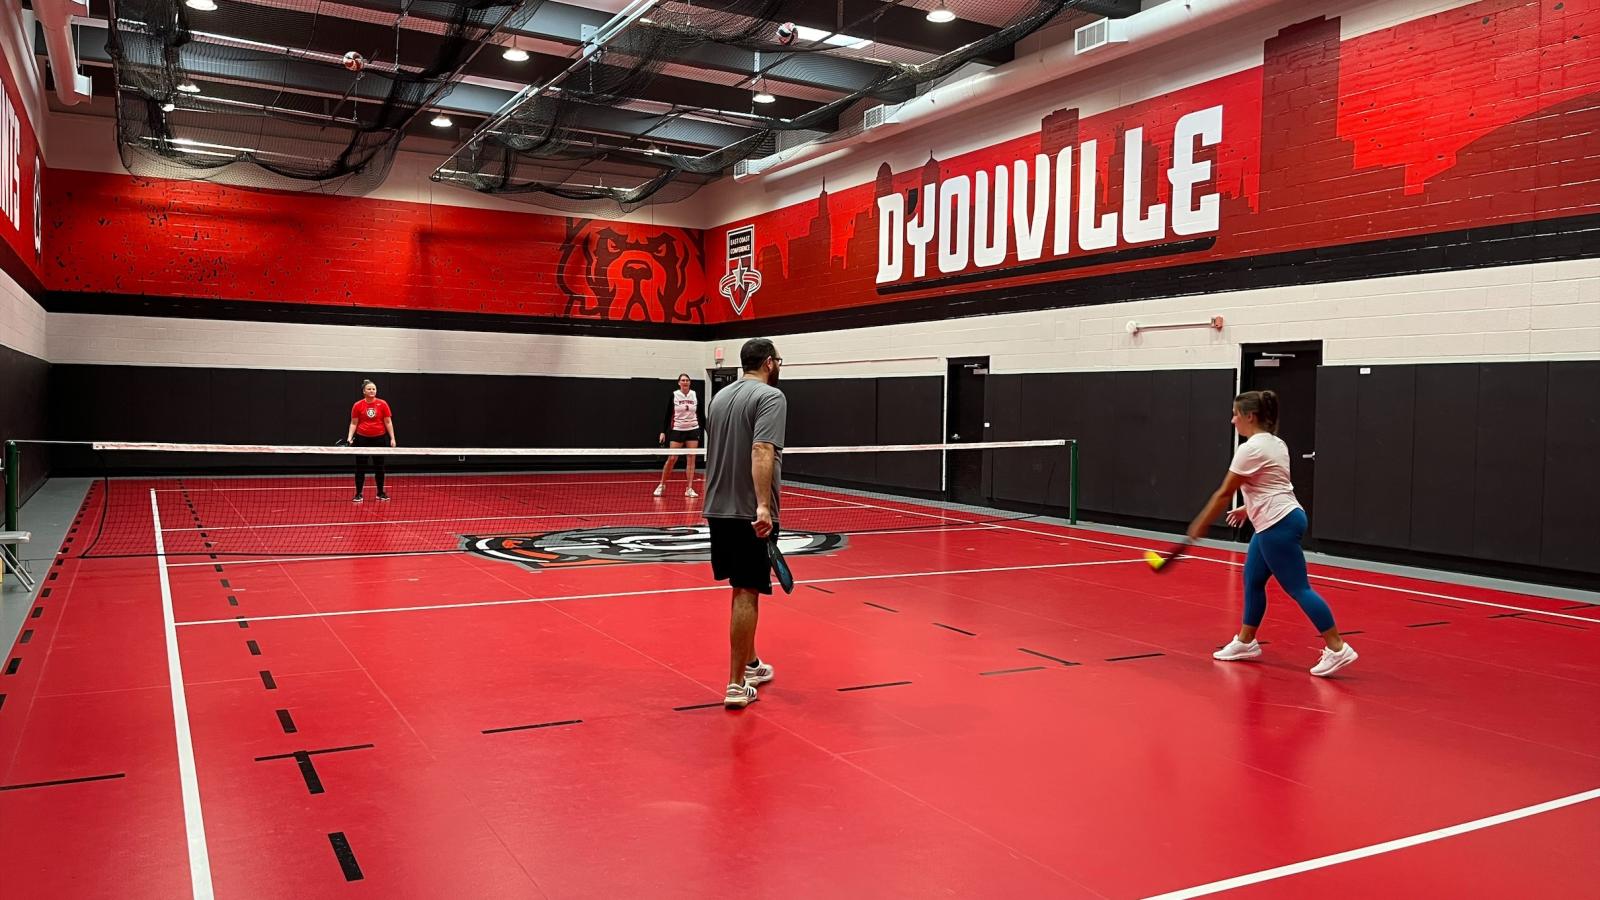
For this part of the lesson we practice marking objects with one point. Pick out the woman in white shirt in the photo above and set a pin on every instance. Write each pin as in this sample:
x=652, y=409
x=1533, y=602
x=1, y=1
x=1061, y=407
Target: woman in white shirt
x=1260, y=469
x=680, y=428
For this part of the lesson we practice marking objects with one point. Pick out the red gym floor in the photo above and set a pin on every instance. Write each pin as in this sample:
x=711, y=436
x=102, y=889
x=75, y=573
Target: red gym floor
x=981, y=711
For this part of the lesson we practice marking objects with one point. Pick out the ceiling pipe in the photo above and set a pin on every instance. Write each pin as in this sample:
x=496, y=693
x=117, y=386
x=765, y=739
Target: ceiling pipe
x=1144, y=31
x=55, y=18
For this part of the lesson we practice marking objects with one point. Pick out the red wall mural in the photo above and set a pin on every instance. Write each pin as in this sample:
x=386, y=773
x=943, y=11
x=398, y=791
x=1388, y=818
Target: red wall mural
x=119, y=235
x=1483, y=115
x=21, y=183
x=1488, y=114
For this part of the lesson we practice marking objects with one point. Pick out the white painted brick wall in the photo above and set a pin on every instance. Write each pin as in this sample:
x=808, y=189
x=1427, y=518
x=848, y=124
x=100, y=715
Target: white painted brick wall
x=125, y=340
x=1473, y=315
x=23, y=322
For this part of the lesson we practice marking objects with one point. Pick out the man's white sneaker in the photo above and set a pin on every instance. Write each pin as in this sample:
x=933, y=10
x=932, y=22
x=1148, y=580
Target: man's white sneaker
x=1237, y=650
x=658, y=490
x=738, y=696
x=1333, y=661
x=690, y=493
x=761, y=673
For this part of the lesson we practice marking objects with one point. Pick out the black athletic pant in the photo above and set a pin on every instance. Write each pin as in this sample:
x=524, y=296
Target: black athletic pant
x=376, y=462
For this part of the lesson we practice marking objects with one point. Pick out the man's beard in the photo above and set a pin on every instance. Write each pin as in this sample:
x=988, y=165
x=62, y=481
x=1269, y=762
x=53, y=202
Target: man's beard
x=772, y=376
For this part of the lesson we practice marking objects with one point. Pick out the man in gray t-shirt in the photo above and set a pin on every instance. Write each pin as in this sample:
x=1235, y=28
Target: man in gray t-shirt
x=744, y=466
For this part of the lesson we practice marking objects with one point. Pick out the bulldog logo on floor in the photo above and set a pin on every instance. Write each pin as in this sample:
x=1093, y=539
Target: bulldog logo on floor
x=626, y=544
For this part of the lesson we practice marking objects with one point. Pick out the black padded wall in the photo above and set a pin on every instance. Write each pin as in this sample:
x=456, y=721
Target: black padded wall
x=1152, y=445
x=1570, y=532
x=866, y=411
x=24, y=382
x=1490, y=462
x=201, y=405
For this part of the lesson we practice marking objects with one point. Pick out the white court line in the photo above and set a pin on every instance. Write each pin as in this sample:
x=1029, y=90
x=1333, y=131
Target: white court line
x=654, y=512
x=1366, y=584
x=906, y=512
x=194, y=823
x=1335, y=859
x=283, y=559
x=665, y=590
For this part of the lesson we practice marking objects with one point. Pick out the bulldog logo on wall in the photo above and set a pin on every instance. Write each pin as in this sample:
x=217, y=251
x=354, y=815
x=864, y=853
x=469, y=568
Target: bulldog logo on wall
x=629, y=273
x=584, y=547
x=743, y=278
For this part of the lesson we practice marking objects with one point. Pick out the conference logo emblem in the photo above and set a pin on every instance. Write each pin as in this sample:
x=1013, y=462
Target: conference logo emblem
x=743, y=278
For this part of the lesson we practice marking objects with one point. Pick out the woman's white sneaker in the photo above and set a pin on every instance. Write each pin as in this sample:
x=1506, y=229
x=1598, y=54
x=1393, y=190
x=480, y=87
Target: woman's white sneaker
x=1237, y=650
x=738, y=696
x=658, y=490
x=1332, y=661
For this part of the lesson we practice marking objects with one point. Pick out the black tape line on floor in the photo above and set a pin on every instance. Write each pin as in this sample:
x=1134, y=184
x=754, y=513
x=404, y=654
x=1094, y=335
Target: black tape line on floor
x=1135, y=656
x=266, y=679
x=27, y=635
x=957, y=630
x=346, y=856
x=324, y=750
x=1014, y=671
x=1064, y=662
x=869, y=687
x=815, y=588
x=309, y=772
x=1434, y=603
x=13, y=665
x=41, y=784
x=37, y=611
x=696, y=706
x=287, y=721
x=880, y=606
x=1427, y=624
x=255, y=648
x=529, y=727
x=1528, y=617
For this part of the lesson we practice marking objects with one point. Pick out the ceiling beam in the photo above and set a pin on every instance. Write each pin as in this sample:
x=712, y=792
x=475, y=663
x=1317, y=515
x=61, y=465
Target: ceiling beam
x=568, y=25
x=891, y=24
x=311, y=77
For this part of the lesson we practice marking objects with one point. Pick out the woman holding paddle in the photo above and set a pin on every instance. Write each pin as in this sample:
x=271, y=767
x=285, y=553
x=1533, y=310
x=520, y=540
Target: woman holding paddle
x=1260, y=470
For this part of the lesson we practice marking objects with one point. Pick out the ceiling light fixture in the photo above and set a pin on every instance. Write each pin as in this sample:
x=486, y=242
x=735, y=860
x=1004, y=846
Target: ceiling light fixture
x=941, y=14
x=442, y=121
x=202, y=5
x=762, y=95
x=189, y=87
x=515, y=54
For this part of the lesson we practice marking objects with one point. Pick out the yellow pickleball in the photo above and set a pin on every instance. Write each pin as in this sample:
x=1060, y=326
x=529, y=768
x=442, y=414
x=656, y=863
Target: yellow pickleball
x=1154, y=559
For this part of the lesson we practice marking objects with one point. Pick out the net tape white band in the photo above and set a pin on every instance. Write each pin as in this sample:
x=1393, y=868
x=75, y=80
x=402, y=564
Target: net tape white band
x=510, y=452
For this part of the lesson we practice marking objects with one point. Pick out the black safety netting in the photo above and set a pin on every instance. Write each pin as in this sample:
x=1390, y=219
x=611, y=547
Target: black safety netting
x=293, y=111
x=557, y=144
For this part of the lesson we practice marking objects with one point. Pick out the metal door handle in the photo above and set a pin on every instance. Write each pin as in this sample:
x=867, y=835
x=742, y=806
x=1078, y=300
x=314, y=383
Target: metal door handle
x=1311, y=455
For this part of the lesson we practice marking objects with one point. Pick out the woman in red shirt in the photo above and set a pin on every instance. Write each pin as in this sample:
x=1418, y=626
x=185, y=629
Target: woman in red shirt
x=371, y=425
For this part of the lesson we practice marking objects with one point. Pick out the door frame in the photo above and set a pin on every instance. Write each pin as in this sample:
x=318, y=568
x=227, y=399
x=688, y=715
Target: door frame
x=952, y=362
x=1249, y=352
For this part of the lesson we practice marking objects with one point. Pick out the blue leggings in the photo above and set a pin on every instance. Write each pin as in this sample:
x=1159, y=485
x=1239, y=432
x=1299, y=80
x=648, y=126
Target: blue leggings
x=1276, y=553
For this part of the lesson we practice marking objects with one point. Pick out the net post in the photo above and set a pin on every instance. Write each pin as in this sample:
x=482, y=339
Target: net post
x=13, y=479
x=1072, y=482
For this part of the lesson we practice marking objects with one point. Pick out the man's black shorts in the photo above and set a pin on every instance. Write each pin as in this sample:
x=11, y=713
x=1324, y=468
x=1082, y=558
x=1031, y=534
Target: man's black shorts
x=738, y=556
